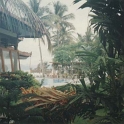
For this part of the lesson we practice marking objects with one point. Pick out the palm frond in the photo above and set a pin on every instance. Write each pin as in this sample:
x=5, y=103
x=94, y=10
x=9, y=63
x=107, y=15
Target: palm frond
x=34, y=5
x=59, y=8
x=46, y=96
x=68, y=16
x=76, y=1
x=68, y=24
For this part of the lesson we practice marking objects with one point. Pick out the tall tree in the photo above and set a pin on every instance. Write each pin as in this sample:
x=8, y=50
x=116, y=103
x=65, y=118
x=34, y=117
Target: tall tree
x=35, y=6
x=62, y=26
x=60, y=11
x=62, y=37
x=42, y=12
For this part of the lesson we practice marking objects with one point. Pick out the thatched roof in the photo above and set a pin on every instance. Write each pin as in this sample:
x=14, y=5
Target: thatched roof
x=17, y=17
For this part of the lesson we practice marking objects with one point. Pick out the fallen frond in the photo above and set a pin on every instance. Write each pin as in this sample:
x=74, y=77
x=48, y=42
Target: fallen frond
x=46, y=96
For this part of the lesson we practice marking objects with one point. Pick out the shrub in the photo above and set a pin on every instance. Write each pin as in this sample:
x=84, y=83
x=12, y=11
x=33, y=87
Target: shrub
x=10, y=94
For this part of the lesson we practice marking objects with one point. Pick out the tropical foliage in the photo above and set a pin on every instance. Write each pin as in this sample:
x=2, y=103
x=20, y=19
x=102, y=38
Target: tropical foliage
x=62, y=31
x=53, y=102
x=105, y=83
x=43, y=12
x=101, y=101
x=65, y=58
x=10, y=93
x=107, y=76
x=65, y=54
x=107, y=20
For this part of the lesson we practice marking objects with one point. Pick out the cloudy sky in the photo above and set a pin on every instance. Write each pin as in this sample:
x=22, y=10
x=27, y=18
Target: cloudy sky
x=30, y=45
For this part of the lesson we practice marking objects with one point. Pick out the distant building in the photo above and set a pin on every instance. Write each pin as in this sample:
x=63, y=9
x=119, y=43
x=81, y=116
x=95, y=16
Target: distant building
x=37, y=72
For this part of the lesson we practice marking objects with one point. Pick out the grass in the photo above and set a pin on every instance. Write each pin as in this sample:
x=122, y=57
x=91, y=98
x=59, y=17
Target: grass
x=79, y=120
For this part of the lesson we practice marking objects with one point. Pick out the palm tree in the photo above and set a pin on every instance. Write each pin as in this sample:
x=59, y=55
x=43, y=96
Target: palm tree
x=35, y=6
x=64, y=37
x=42, y=12
x=88, y=37
x=107, y=19
x=61, y=23
x=60, y=10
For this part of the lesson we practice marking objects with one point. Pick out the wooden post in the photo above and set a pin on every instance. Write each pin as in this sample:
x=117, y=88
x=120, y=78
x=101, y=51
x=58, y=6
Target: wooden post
x=16, y=57
x=41, y=59
x=2, y=60
x=12, y=67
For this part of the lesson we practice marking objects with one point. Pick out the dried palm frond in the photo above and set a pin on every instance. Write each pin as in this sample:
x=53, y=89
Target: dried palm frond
x=45, y=96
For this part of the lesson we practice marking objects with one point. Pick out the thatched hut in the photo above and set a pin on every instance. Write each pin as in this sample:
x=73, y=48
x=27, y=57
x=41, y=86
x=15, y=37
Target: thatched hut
x=17, y=21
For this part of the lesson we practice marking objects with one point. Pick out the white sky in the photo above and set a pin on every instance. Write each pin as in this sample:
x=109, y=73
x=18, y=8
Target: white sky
x=30, y=45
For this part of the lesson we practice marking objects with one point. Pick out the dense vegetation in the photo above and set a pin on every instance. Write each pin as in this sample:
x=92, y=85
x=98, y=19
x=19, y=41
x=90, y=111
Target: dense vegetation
x=100, y=58
x=10, y=94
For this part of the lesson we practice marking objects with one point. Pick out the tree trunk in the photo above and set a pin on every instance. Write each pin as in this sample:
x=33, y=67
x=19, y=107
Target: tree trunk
x=41, y=60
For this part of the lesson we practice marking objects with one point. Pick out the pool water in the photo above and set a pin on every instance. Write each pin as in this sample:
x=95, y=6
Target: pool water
x=49, y=82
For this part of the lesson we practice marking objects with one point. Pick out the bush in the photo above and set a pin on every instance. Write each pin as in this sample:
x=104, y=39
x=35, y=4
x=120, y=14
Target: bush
x=10, y=94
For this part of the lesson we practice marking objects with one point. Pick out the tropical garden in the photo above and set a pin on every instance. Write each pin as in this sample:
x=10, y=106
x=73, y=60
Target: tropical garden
x=98, y=55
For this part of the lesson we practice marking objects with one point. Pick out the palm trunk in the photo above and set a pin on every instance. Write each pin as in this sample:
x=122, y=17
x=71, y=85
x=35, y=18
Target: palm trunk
x=41, y=58
x=58, y=38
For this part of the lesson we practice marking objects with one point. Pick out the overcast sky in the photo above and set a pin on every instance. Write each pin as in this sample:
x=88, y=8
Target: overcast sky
x=29, y=45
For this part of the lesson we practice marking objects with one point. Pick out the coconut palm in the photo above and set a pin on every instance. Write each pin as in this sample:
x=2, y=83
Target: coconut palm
x=88, y=37
x=42, y=12
x=60, y=10
x=63, y=37
x=35, y=6
x=61, y=23
x=107, y=19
